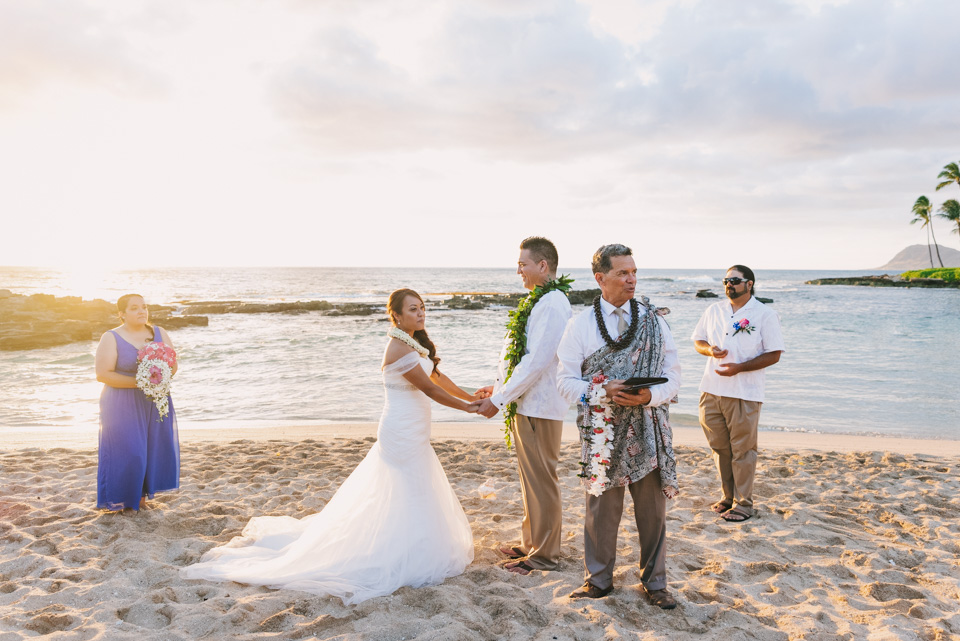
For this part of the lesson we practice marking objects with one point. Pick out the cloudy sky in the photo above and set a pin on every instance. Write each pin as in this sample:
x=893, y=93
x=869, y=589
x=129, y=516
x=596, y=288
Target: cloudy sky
x=776, y=133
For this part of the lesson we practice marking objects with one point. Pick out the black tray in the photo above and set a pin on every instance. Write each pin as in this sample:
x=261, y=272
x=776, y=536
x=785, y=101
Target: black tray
x=637, y=383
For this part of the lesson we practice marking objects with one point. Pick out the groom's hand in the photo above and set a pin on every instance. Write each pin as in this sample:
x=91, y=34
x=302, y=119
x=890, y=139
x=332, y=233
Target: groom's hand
x=484, y=392
x=487, y=408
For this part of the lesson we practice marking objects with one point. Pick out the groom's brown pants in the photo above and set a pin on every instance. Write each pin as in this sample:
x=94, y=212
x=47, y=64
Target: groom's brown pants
x=538, y=450
x=602, y=525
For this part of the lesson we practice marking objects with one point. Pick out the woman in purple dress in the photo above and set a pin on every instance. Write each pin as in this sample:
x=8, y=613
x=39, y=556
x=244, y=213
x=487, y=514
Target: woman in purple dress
x=139, y=452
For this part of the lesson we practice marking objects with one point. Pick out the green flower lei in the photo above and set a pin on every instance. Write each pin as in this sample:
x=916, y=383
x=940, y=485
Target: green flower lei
x=517, y=334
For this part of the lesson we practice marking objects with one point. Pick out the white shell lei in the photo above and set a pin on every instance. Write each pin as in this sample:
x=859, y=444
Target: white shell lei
x=403, y=337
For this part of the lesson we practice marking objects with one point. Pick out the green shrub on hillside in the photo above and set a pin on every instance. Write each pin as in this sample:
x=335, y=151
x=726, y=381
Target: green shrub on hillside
x=943, y=273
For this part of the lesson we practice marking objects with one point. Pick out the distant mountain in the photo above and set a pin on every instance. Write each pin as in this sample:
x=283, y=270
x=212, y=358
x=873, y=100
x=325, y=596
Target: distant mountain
x=917, y=257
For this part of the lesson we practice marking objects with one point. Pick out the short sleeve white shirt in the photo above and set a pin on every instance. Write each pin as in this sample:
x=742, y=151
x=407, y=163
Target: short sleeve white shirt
x=716, y=327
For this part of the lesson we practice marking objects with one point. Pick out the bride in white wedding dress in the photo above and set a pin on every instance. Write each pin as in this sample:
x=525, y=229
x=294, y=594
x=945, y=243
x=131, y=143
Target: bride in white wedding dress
x=395, y=521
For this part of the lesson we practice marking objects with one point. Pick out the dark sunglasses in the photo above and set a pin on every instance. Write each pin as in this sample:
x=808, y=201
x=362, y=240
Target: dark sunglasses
x=733, y=281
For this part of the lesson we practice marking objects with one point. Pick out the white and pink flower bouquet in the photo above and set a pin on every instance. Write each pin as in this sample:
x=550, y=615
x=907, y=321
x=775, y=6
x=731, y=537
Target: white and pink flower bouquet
x=155, y=372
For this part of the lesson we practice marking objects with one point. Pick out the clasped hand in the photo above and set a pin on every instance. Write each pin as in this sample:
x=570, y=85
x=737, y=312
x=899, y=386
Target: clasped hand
x=483, y=405
x=616, y=392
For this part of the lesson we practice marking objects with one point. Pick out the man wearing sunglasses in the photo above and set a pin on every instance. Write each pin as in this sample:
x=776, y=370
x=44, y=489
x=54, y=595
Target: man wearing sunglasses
x=741, y=338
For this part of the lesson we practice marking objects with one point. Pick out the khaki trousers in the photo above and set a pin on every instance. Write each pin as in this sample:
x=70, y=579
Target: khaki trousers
x=730, y=425
x=538, y=451
x=602, y=525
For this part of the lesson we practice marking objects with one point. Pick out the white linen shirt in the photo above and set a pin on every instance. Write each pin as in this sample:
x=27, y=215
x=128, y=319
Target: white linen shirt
x=716, y=328
x=533, y=384
x=582, y=338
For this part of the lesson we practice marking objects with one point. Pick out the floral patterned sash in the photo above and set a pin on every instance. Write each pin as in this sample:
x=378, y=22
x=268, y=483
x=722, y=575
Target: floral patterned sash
x=643, y=439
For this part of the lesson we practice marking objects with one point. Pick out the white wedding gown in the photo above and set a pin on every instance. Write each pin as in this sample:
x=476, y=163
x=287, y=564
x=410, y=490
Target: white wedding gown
x=395, y=521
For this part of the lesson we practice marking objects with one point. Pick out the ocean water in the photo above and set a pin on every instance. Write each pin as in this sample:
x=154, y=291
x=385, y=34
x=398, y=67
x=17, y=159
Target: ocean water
x=859, y=360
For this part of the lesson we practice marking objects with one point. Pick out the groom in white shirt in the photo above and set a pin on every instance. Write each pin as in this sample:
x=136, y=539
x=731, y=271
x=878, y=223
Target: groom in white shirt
x=538, y=422
x=620, y=337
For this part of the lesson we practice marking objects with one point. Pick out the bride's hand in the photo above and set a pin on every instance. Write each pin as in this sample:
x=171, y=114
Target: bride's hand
x=483, y=392
x=472, y=408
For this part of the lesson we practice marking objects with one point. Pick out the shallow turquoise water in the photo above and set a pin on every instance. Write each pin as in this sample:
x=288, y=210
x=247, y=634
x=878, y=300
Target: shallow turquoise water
x=858, y=360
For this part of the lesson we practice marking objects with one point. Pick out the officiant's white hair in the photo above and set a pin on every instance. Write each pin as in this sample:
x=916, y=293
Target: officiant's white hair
x=601, y=258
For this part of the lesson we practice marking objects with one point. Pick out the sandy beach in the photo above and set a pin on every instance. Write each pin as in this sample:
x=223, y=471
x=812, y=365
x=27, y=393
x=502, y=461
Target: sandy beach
x=856, y=538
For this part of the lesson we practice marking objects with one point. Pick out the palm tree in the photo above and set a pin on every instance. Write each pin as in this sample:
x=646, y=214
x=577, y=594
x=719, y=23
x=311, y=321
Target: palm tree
x=951, y=174
x=921, y=213
x=951, y=212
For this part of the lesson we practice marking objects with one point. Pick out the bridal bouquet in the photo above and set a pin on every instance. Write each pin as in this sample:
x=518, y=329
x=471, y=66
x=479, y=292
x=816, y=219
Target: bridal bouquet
x=154, y=373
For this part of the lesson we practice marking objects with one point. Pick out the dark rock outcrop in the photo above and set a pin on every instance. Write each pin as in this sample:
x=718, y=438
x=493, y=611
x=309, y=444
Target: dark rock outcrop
x=482, y=301
x=583, y=296
x=43, y=320
x=886, y=281
x=705, y=293
x=293, y=307
x=477, y=301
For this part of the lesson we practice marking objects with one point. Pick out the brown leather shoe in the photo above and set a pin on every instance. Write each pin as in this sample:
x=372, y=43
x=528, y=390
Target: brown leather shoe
x=590, y=591
x=660, y=598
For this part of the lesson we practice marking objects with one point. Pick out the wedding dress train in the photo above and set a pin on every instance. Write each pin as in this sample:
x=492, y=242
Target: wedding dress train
x=394, y=522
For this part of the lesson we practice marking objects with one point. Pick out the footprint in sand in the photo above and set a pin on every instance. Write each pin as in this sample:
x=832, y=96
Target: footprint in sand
x=43, y=547
x=764, y=569
x=50, y=619
x=147, y=615
x=890, y=591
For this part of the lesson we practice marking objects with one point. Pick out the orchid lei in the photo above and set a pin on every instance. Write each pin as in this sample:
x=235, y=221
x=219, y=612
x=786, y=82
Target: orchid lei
x=403, y=337
x=155, y=373
x=517, y=335
x=598, y=435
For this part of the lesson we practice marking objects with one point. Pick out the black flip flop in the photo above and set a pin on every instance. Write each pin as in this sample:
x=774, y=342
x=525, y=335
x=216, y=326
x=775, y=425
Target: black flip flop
x=721, y=506
x=735, y=515
x=523, y=565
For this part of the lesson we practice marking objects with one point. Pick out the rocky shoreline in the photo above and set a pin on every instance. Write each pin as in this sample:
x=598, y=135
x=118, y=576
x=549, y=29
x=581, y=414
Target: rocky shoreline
x=887, y=281
x=43, y=320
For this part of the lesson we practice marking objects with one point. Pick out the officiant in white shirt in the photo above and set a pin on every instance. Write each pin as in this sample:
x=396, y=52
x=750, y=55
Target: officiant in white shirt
x=617, y=338
x=526, y=390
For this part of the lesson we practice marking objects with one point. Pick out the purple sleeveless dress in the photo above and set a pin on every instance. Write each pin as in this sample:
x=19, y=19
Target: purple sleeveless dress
x=139, y=453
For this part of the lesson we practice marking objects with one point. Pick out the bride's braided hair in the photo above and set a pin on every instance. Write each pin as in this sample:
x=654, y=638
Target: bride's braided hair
x=395, y=306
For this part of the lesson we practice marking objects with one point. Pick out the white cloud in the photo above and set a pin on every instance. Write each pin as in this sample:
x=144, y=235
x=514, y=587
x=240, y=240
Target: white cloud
x=814, y=118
